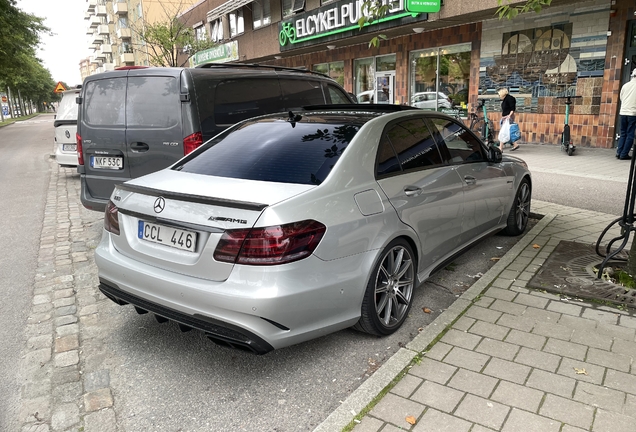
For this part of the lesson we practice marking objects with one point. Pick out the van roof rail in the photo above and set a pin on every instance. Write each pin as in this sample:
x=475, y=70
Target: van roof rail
x=257, y=66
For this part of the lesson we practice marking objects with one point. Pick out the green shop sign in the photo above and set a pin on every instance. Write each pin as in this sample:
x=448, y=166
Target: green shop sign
x=337, y=18
x=427, y=6
x=219, y=54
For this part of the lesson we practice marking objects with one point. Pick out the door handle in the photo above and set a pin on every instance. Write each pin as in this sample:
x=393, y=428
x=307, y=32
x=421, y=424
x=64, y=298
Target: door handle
x=470, y=180
x=139, y=147
x=412, y=191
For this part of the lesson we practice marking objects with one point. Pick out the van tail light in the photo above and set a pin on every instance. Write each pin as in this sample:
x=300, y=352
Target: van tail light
x=278, y=244
x=80, y=153
x=191, y=142
x=111, y=218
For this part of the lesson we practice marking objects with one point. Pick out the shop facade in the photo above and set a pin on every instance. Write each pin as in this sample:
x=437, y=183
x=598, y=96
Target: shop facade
x=457, y=56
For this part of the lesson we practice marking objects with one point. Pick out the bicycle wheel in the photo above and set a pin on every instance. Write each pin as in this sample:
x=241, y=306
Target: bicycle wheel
x=479, y=127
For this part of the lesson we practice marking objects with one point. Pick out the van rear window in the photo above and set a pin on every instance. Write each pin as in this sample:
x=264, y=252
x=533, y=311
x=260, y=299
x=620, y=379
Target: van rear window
x=104, y=102
x=237, y=100
x=152, y=102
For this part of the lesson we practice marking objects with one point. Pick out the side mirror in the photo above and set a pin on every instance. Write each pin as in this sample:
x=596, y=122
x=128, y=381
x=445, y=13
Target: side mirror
x=354, y=97
x=494, y=154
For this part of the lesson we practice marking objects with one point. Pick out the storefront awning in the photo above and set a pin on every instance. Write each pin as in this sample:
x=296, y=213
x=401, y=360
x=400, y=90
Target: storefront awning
x=226, y=8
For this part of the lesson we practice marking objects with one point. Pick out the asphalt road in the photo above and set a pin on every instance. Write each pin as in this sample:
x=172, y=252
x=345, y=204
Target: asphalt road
x=24, y=179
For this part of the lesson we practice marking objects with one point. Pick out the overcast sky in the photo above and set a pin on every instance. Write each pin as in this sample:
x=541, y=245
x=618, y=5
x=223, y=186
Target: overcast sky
x=62, y=52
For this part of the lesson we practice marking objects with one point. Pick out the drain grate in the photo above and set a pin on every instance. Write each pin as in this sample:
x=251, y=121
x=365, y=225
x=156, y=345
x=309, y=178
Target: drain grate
x=569, y=271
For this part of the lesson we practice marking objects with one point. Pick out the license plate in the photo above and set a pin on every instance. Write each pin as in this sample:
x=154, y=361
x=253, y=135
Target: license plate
x=69, y=147
x=107, y=162
x=165, y=235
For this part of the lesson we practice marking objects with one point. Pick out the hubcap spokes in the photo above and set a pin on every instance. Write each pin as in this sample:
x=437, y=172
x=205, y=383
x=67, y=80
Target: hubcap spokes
x=394, y=286
x=523, y=206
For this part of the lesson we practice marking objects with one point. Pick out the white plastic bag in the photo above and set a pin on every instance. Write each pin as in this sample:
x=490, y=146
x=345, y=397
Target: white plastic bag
x=504, y=132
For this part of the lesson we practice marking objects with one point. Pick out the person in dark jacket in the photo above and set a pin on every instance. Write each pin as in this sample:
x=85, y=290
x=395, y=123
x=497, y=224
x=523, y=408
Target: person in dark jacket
x=508, y=107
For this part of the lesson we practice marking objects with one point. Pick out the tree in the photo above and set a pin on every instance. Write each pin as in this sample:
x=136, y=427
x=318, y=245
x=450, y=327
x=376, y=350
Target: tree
x=168, y=40
x=511, y=11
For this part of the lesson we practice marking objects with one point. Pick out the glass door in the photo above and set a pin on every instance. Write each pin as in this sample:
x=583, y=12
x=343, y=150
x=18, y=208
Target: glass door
x=384, y=87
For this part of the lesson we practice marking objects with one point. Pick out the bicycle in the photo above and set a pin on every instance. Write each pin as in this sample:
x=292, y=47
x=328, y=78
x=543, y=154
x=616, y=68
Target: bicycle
x=482, y=125
x=566, y=138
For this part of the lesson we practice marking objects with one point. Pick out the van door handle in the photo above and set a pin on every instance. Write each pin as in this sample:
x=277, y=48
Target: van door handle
x=411, y=191
x=470, y=180
x=139, y=147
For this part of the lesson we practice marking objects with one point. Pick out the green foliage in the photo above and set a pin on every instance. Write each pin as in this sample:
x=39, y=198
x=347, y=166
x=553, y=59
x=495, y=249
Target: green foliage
x=510, y=12
x=373, y=10
x=170, y=42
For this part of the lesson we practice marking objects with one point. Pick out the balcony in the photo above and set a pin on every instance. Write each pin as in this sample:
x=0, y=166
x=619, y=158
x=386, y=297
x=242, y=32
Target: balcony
x=89, y=31
x=100, y=11
x=120, y=8
x=124, y=33
x=94, y=60
x=93, y=22
x=99, y=55
x=91, y=5
x=108, y=67
x=103, y=29
x=127, y=58
x=107, y=49
x=96, y=38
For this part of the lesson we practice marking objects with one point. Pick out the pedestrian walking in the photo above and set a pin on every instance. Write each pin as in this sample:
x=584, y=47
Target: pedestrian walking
x=508, y=107
x=627, y=118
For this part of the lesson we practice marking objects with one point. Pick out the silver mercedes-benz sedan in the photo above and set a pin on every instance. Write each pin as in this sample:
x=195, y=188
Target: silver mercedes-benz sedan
x=291, y=226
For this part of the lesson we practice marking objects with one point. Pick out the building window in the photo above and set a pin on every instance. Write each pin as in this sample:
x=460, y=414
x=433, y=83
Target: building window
x=217, y=30
x=335, y=70
x=199, y=33
x=363, y=79
x=452, y=82
x=236, y=22
x=260, y=13
x=122, y=23
x=287, y=8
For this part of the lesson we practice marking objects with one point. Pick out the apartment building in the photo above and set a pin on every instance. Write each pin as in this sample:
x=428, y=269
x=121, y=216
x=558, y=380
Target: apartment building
x=585, y=48
x=113, y=28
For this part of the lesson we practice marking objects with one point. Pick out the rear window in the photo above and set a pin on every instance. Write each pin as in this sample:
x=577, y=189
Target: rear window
x=104, y=102
x=275, y=150
x=67, y=109
x=152, y=102
x=301, y=92
x=237, y=100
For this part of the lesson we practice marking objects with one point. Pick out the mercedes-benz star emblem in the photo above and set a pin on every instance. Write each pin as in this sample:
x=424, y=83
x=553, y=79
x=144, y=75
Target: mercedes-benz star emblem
x=160, y=204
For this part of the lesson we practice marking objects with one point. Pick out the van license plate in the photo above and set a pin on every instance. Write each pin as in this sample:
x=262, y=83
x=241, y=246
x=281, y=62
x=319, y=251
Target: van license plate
x=107, y=162
x=165, y=235
x=69, y=147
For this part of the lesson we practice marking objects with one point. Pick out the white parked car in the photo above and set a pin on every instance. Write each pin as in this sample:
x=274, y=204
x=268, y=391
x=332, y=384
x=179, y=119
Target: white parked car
x=426, y=100
x=290, y=226
x=65, y=124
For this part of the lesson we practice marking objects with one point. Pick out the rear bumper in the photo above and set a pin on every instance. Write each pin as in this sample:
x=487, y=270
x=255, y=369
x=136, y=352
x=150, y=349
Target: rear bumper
x=65, y=158
x=89, y=201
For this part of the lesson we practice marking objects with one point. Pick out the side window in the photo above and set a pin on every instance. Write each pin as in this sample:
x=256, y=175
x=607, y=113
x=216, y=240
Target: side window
x=240, y=99
x=414, y=144
x=152, y=102
x=298, y=93
x=336, y=96
x=456, y=142
x=104, y=102
x=387, y=159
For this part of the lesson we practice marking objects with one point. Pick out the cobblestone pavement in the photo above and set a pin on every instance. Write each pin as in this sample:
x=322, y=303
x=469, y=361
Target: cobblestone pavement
x=61, y=391
x=507, y=358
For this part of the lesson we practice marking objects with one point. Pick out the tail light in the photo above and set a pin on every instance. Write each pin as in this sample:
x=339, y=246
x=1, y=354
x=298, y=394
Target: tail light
x=111, y=218
x=272, y=245
x=80, y=153
x=191, y=142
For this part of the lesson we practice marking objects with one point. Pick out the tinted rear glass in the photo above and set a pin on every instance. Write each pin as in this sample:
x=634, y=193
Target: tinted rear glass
x=104, y=102
x=153, y=102
x=298, y=93
x=272, y=150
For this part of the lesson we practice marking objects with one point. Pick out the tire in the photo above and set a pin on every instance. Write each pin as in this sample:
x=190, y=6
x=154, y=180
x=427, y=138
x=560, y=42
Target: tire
x=566, y=135
x=389, y=293
x=570, y=150
x=520, y=211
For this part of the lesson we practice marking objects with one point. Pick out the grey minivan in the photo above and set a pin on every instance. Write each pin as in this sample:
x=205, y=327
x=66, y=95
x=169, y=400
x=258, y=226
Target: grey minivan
x=137, y=120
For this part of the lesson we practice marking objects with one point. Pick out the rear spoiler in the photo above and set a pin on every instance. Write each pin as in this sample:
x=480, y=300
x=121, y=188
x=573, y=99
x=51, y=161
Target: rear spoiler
x=57, y=123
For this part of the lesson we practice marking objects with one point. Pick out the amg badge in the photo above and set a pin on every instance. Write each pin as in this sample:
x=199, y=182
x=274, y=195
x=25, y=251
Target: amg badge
x=225, y=219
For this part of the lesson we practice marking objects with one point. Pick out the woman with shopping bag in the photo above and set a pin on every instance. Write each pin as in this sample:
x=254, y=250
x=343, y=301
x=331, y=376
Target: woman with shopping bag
x=508, y=107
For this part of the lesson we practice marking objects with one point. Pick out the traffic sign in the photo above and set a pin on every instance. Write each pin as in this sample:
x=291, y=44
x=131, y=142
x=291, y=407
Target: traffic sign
x=59, y=88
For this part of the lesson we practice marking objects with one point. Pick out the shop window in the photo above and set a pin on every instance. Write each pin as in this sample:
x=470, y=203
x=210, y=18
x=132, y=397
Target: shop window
x=363, y=78
x=335, y=70
x=261, y=13
x=450, y=85
x=237, y=26
x=217, y=30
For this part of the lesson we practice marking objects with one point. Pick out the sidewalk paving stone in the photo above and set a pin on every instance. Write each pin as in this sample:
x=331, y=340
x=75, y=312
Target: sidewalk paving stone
x=482, y=411
x=528, y=422
x=473, y=382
